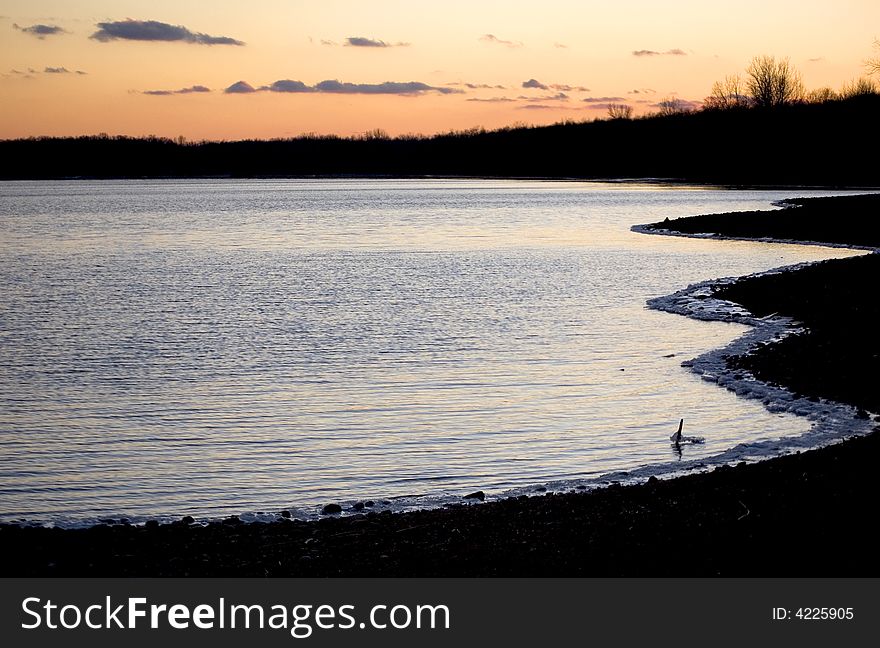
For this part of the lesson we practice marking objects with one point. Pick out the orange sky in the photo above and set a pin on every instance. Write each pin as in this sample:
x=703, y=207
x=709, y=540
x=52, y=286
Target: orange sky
x=575, y=50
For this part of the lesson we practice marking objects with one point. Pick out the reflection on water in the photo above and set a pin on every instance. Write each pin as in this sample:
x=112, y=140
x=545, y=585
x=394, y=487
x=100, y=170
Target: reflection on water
x=211, y=347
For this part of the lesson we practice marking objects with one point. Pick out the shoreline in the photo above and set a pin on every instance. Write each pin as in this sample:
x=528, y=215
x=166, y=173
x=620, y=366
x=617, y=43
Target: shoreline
x=805, y=514
x=700, y=516
x=637, y=180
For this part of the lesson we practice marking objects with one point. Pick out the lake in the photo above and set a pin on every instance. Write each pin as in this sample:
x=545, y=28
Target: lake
x=216, y=347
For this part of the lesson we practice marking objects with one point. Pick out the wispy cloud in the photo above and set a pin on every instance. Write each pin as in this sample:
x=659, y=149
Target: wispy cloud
x=492, y=100
x=329, y=43
x=477, y=86
x=636, y=91
x=672, y=52
x=534, y=83
x=361, y=41
x=153, y=30
x=604, y=105
x=240, y=87
x=333, y=86
x=492, y=38
x=286, y=85
x=677, y=104
x=562, y=87
x=561, y=96
x=567, y=88
x=40, y=31
x=598, y=100
x=20, y=75
x=190, y=90
x=540, y=107
x=387, y=87
x=52, y=70
x=560, y=45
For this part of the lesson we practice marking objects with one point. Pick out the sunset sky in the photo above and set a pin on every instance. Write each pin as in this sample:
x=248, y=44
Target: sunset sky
x=174, y=68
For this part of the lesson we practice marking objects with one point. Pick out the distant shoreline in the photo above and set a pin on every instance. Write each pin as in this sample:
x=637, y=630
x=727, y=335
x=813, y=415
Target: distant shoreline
x=805, y=514
x=671, y=182
x=793, y=145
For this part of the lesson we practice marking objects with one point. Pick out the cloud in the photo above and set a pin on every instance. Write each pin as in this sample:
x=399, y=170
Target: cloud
x=602, y=106
x=567, y=88
x=333, y=86
x=539, y=107
x=329, y=43
x=152, y=30
x=534, y=83
x=240, y=87
x=477, y=86
x=560, y=45
x=19, y=74
x=191, y=90
x=492, y=99
x=678, y=104
x=561, y=96
x=388, y=87
x=642, y=91
x=672, y=52
x=286, y=85
x=562, y=87
x=40, y=31
x=56, y=70
x=360, y=41
x=816, y=59
x=602, y=99
x=491, y=38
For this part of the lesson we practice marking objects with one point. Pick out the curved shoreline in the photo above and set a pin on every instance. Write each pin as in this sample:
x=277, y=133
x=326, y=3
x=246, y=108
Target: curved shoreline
x=810, y=505
x=832, y=422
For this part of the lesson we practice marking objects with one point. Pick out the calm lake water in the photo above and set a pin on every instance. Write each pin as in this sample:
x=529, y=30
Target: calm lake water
x=216, y=347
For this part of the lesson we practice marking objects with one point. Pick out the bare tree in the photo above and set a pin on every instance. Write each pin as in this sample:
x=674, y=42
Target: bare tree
x=620, y=111
x=821, y=95
x=858, y=88
x=773, y=83
x=672, y=106
x=873, y=64
x=727, y=94
x=375, y=134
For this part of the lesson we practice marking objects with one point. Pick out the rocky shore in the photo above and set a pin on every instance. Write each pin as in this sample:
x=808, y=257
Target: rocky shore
x=810, y=514
x=806, y=514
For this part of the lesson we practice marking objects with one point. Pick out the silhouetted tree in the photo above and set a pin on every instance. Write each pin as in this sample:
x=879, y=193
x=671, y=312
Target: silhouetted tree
x=672, y=106
x=821, y=95
x=773, y=83
x=727, y=94
x=858, y=88
x=620, y=111
x=375, y=134
x=874, y=63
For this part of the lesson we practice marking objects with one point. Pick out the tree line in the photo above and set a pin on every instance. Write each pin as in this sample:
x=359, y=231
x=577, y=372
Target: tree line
x=768, y=82
x=762, y=129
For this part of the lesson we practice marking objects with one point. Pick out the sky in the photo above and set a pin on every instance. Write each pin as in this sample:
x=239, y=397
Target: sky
x=224, y=69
